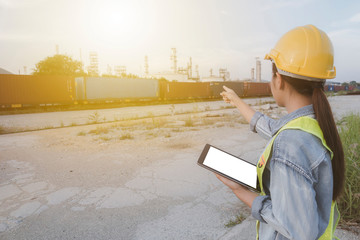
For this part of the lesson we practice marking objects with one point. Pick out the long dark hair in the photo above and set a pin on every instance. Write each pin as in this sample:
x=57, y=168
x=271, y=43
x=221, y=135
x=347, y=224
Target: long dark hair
x=327, y=124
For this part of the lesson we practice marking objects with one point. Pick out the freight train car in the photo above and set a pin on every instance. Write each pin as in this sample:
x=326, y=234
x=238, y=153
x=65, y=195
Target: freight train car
x=337, y=88
x=96, y=89
x=217, y=88
x=28, y=90
x=184, y=90
x=256, y=89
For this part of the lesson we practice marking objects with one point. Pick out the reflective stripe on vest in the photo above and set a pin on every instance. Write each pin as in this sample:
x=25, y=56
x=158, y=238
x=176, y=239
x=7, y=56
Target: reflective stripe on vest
x=311, y=126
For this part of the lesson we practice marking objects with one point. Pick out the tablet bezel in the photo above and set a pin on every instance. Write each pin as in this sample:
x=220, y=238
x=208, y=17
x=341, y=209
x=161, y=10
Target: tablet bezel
x=201, y=163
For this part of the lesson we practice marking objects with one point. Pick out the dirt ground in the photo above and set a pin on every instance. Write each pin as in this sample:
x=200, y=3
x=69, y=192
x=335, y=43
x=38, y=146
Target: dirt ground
x=126, y=179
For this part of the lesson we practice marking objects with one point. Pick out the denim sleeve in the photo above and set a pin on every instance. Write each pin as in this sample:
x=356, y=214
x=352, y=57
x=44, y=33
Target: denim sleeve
x=261, y=124
x=291, y=209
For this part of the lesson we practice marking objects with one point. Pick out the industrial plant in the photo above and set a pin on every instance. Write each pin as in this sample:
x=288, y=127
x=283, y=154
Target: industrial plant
x=188, y=73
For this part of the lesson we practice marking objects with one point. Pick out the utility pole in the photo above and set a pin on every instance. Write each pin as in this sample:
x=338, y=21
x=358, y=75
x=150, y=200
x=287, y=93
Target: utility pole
x=146, y=65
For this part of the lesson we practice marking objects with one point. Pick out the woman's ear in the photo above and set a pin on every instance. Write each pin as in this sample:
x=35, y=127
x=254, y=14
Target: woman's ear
x=280, y=81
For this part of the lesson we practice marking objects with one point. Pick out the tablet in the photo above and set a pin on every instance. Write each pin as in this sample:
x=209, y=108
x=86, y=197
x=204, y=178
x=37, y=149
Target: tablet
x=229, y=166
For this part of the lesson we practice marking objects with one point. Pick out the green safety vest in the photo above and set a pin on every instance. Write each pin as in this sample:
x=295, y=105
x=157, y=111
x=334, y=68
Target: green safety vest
x=309, y=125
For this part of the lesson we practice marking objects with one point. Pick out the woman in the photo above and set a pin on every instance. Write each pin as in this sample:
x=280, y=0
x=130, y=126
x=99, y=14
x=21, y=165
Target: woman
x=301, y=171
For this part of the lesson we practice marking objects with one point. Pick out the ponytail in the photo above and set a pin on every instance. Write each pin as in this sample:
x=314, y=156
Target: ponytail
x=327, y=124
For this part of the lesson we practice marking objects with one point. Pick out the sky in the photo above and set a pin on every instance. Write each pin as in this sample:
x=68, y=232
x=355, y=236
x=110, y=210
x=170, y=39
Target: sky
x=215, y=33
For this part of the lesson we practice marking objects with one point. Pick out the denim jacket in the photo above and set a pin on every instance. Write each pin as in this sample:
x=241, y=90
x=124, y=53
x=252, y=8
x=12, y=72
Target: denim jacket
x=298, y=181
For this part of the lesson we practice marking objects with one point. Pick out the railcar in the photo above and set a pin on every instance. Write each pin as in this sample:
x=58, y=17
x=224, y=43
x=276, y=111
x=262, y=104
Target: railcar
x=96, y=89
x=256, y=89
x=184, y=90
x=217, y=88
x=29, y=90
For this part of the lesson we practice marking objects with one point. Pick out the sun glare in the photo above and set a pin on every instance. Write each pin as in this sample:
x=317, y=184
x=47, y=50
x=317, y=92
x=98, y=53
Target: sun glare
x=121, y=22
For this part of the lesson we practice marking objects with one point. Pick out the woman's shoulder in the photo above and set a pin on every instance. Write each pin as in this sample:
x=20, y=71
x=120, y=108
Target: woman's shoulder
x=300, y=148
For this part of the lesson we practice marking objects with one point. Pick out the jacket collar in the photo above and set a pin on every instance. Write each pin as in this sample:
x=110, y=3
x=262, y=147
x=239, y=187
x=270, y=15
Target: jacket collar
x=304, y=111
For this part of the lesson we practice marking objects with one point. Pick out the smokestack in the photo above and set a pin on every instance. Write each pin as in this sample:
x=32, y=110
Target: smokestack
x=190, y=68
x=258, y=70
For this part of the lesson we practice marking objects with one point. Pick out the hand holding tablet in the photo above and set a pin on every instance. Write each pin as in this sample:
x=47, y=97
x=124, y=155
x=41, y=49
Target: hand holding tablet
x=229, y=166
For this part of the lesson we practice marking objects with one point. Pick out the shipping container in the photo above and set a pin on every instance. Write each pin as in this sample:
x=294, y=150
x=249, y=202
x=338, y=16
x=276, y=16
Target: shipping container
x=329, y=88
x=25, y=90
x=217, y=88
x=185, y=90
x=80, y=89
x=120, y=89
x=339, y=88
x=256, y=89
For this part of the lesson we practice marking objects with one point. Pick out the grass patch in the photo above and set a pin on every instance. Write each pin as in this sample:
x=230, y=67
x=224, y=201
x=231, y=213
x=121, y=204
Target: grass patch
x=125, y=136
x=99, y=130
x=94, y=117
x=2, y=130
x=177, y=130
x=189, y=122
x=159, y=122
x=82, y=133
x=349, y=203
x=105, y=138
x=239, y=219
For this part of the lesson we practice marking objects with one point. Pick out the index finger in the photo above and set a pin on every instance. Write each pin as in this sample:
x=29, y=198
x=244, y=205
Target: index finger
x=226, y=88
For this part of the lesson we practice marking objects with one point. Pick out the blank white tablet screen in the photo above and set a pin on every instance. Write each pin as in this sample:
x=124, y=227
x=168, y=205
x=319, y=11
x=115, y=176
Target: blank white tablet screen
x=231, y=166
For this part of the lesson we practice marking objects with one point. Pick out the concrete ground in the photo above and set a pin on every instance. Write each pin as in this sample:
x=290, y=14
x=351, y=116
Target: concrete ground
x=133, y=179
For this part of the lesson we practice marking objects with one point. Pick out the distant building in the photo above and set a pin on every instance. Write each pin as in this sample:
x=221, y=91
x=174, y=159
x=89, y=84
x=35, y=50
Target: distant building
x=3, y=71
x=171, y=76
x=224, y=75
x=178, y=74
x=332, y=83
x=212, y=79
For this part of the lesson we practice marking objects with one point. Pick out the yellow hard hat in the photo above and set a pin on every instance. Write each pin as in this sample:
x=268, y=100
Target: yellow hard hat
x=304, y=52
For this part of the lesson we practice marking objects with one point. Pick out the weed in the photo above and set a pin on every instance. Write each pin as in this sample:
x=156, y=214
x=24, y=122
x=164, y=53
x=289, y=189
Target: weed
x=94, y=117
x=172, y=109
x=196, y=109
x=235, y=222
x=73, y=124
x=329, y=94
x=82, y=133
x=209, y=121
x=150, y=135
x=341, y=93
x=105, y=138
x=159, y=122
x=349, y=203
x=99, y=130
x=2, y=130
x=180, y=145
x=242, y=121
x=189, y=122
x=126, y=136
x=177, y=130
